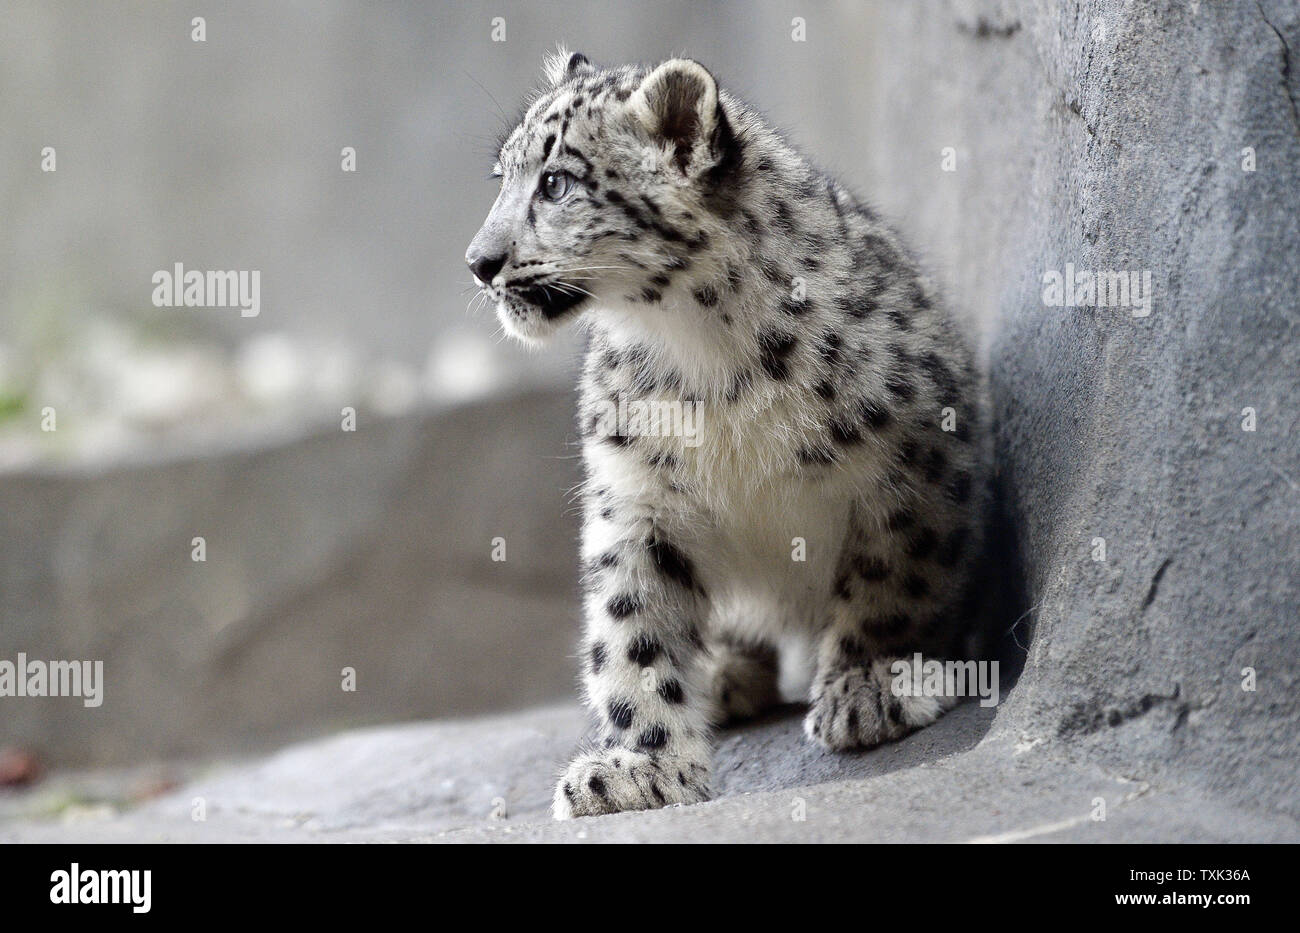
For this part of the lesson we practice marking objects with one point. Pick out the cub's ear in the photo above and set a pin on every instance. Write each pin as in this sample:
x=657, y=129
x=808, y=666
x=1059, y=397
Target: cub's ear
x=560, y=66
x=678, y=104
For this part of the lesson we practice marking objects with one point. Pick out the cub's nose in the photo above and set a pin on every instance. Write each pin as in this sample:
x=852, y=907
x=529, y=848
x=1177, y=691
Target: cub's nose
x=485, y=268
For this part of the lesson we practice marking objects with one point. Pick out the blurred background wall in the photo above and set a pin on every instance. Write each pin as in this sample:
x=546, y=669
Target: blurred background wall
x=226, y=154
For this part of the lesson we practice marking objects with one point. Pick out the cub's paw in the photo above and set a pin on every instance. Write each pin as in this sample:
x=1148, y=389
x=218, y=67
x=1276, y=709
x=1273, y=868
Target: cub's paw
x=857, y=707
x=615, y=779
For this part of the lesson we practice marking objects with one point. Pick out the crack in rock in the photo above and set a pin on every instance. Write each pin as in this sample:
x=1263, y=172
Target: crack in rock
x=1286, y=66
x=1092, y=716
x=1155, y=583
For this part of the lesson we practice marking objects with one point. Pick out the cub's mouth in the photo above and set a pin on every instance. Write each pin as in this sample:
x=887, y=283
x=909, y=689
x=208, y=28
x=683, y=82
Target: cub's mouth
x=552, y=300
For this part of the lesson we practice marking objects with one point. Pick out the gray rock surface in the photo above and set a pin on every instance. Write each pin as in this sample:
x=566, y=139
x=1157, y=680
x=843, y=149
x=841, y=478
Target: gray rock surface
x=490, y=780
x=1110, y=136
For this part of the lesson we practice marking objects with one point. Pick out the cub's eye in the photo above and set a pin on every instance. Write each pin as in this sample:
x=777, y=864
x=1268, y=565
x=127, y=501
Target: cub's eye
x=555, y=185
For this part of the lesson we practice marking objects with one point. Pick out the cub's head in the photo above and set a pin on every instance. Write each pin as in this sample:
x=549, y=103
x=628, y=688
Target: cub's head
x=610, y=187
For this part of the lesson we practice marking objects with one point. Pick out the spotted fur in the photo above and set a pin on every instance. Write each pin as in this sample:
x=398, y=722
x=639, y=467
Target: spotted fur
x=838, y=404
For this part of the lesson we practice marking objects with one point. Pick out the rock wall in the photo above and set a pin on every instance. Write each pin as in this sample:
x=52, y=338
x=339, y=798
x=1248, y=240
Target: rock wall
x=1162, y=138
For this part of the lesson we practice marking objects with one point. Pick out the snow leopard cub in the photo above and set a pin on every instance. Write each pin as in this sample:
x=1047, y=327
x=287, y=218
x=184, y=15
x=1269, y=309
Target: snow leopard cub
x=829, y=488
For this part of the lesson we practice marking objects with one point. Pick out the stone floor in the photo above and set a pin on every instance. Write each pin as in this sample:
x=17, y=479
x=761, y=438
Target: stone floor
x=490, y=780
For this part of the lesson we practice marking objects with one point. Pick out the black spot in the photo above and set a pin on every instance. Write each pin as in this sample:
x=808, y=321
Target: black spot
x=671, y=562
x=671, y=691
x=656, y=736
x=784, y=217
x=825, y=390
x=597, y=657
x=707, y=296
x=895, y=624
x=623, y=605
x=897, y=521
x=851, y=647
x=874, y=416
x=953, y=546
x=901, y=387
x=742, y=381
x=644, y=650
x=650, y=295
x=774, y=349
x=935, y=464
x=922, y=544
x=942, y=377
x=959, y=487
x=844, y=432
x=858, y=304
x=621, y=713
x=895, y=707
x=597, y=787
x=666, y=459
x=546, y=146
x=816, y=456
x=794, y=307
x=915, y=585
x=871, y=569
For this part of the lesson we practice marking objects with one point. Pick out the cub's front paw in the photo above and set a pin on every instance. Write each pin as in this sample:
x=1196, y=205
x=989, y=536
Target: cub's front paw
x=614, y=779
x=857, y=708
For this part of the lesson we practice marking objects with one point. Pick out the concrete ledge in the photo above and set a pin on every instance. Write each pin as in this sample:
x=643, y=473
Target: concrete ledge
x=369, y=550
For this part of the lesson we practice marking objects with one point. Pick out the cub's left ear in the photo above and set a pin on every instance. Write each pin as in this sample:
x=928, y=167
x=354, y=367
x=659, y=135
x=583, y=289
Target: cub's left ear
x=561, y=66
x=678, y=104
